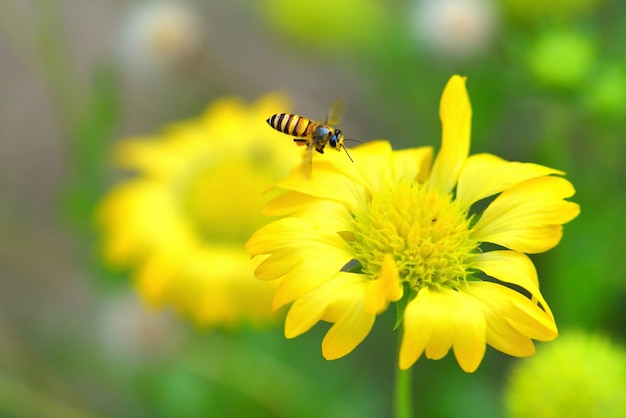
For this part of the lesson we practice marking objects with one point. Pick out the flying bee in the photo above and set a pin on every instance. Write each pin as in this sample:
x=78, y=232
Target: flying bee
x=312, y=134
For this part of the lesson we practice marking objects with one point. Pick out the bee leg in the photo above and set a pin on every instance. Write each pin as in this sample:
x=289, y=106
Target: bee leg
x=320, y=150
x=300, y=141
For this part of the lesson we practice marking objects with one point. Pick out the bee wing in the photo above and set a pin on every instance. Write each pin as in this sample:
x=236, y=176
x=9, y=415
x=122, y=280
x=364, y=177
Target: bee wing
x=307, y=162
x=336, y=111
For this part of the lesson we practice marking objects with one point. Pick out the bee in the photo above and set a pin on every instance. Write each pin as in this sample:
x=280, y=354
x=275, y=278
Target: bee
x=312, y=134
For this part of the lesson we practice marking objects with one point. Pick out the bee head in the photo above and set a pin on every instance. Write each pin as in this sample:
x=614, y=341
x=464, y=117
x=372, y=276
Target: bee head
x=336, y=140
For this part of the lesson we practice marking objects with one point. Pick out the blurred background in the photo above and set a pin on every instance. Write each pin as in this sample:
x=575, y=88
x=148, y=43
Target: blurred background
x=547, y=82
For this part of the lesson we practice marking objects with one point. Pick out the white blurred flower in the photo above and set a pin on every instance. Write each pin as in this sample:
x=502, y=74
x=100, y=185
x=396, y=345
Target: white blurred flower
x=160, y=37
x=128, y=330
x=455, y=28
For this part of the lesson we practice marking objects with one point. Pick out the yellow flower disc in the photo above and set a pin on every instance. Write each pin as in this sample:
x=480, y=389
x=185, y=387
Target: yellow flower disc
x=427, y=234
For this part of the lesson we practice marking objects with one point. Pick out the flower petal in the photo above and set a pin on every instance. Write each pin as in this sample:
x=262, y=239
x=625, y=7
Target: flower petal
x=437, y=320
x=385, y=288
x=337, y=178
x=289, y=233
x=316, y=268
x=346, y=311
x=365, y=156
x=417, y=329
x=327, y=185
x=329, y=215
x=471, y=335
x=309, y=308
x=456, y=114
x=287, y=203
x=412, y=164
x=502, y=336
x=528, y=217
x=348, y=332
x=512, y=267
x=339, y=301
x=511, y=313
x=484, y=175
x=276, y=265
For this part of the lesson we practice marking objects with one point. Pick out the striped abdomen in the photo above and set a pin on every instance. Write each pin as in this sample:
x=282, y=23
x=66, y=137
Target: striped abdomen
x=290, y=124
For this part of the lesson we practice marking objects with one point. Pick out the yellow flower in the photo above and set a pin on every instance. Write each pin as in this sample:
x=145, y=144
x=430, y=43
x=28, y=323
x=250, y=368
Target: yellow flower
x=392, y=227
x=182, y=221
x=580, y=375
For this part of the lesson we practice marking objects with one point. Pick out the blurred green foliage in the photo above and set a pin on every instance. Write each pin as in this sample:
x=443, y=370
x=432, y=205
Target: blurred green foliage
x=549, y=86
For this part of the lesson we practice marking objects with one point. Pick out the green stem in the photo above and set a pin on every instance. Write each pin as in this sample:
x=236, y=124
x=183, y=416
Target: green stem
x=402, y=394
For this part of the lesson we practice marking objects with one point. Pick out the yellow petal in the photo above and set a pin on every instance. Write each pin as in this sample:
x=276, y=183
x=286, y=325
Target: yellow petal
x=319, y=266
x=528, y=216
x=456, y=113
x=512, y=267
x=276, y=265
x=412, y=164
x=352, y=287
x=506, y=339
x=471, y=335
x=367, y=156
x=351, y=323
x=484, y=175
x=327, y=185
x=336, y=178
x=458, y=322
x=339, y=301
x=288, y=233
x=303, y=315
x=417, y=328
x=508, y=266
x=444, y=314
x=287, y=203
x=329, y=215
x=519, y=311
x=385, y=288
x=309, y=308
x=347, y=332
x=503, y=337
x=389, y=279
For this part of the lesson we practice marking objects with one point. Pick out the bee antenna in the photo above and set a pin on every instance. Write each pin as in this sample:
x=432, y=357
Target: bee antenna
x=346, y=150
x=353, y=140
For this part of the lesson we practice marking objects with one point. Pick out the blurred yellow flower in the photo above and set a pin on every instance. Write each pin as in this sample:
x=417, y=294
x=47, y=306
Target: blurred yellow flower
x=392, y=227
x=181, y=222
x=580, y=375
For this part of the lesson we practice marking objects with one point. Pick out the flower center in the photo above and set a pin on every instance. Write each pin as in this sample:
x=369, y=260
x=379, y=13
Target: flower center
x=222, y=199
x=426, y=233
